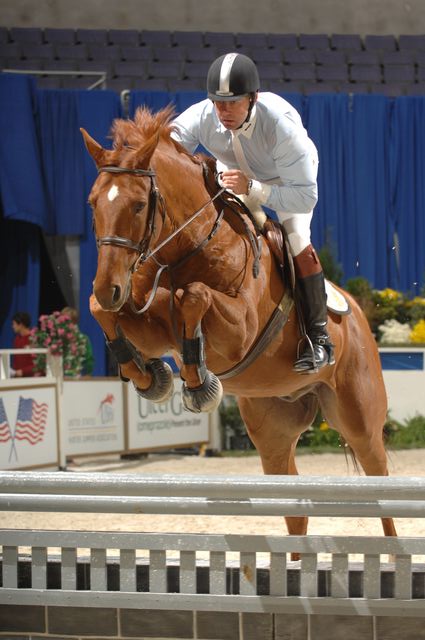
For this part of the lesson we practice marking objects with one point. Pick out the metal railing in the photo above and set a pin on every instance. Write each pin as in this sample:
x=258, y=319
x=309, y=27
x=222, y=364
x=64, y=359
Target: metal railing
x=136, y=570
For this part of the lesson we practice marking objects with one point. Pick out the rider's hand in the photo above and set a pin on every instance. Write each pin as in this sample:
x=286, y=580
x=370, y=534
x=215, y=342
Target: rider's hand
x=235, y=180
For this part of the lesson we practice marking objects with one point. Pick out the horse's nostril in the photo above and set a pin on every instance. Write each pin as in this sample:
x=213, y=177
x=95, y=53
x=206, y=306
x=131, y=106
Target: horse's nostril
x=116, y=295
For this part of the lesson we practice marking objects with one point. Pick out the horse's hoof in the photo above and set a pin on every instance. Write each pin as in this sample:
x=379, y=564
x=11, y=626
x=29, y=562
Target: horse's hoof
x=205, y=398
x=162, y=386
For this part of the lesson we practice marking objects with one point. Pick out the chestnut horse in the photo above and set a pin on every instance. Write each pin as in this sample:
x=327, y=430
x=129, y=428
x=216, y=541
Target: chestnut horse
x=180, y=271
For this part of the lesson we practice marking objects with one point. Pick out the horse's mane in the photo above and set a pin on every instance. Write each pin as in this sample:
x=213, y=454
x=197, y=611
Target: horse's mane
x=134, y=133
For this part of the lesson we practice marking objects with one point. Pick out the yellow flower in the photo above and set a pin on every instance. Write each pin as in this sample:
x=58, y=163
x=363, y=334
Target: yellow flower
x=418, y=332
x=324, y=426
x=390, y=295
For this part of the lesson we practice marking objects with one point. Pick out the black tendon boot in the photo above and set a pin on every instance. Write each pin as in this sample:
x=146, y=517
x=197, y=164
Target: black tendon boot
x=317, y=348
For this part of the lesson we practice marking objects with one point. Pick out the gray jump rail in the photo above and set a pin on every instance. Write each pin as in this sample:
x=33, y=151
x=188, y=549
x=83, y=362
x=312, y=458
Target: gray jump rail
x=141, y=576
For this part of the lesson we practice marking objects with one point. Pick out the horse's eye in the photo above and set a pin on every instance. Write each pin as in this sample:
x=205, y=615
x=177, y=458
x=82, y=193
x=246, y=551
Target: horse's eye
x=139, y=206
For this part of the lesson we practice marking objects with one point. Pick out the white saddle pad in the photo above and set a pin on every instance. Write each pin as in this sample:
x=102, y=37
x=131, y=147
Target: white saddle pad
x=336, y=301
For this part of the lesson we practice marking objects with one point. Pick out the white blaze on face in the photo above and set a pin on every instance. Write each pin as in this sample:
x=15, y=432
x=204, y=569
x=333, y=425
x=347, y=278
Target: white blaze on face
x=113, y=193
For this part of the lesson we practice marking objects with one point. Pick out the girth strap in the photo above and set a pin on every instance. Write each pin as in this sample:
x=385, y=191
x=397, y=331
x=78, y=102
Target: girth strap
x=275, y=324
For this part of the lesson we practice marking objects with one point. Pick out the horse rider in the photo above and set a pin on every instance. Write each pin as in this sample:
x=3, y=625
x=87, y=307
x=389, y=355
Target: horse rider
x=265, y=157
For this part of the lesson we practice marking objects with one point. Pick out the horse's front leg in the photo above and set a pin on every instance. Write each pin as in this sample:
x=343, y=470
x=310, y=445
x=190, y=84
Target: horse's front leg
x=224, y=319
x=152, y=378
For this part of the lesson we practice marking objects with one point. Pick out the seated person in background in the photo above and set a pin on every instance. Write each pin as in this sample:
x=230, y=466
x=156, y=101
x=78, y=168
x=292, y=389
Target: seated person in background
x=88, y=358
x=22, y=365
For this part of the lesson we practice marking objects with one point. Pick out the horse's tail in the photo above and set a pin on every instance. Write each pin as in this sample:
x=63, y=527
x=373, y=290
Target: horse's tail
x=348, y=451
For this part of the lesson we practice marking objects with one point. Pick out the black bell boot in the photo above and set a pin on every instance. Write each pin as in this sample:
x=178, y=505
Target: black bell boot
x=317, y=346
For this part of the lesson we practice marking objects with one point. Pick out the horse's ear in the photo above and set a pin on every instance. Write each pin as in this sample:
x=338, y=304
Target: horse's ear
x=98, y=153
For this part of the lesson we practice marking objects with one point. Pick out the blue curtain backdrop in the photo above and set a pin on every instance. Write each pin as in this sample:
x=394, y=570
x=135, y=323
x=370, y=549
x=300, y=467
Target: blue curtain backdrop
x=371, y=185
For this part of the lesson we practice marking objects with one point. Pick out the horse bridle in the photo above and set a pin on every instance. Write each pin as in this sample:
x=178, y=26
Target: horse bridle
x=154, y=197
x=142, y=248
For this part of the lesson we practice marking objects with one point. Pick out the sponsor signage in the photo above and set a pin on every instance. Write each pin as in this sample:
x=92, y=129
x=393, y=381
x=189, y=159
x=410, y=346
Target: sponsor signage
x=92, y=417
x=167, y=424
x=28, y=433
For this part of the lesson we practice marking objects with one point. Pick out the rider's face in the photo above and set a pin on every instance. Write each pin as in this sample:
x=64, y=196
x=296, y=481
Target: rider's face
x=233, y=113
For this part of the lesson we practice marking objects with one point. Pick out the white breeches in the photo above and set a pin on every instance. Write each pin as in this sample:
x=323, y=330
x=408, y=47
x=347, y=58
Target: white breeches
x=297, y=228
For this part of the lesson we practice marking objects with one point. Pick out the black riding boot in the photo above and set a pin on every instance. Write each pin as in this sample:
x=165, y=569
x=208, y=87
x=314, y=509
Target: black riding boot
x=317, y=347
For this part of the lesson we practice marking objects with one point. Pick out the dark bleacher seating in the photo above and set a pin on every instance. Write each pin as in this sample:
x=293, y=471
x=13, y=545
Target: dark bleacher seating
x=187, y=84
x=121, y=84
x=92, y=36
x=59, y=36
x=157, y=69
x=206, y=54
x=23, y=65
x=298, y=72
x=346, y=42
x=260, y=54
x=196, y=70
x=330, y=57
x=411, y=42
x=82, y=82
x=399, y=73
x=221, y=40
x=4, y=34
x=365, y=73
x=283, y=41
x=380, y=43
x=156, y=38
x=130, y=69
x=169, y=54
x=299, y=56
x=312, y=88
x=353, y=87
x=415, y=89
x=124, y=37
x=398, y=57
x=179, y=61
x=313, y=41
x=190, y=39
x=251, y=40
x=100, y=52
x=31, y=50
x=97, y=66
x=388, y=90
x=363, y=57
x=270, y=71
x=333, y=73
x=10, y=50
x=420, y=74
x=61, y=65
x=26, y=34
x=72, y=52
x=153, y=84
x=136, y=53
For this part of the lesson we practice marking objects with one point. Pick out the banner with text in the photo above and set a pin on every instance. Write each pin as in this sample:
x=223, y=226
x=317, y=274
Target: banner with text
x=92, y=417
x=166, y=424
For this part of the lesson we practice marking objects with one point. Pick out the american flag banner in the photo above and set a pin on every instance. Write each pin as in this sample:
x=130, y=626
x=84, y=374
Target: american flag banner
x=31, y=420
x=5, y=432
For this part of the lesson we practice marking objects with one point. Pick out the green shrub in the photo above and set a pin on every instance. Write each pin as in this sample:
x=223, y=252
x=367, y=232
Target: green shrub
x=407, y=435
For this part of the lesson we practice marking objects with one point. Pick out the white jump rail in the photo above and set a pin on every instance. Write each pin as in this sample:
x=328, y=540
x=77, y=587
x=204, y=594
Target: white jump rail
x=147, y=579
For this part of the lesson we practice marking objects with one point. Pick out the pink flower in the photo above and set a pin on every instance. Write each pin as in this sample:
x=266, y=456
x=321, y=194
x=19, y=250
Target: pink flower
x=61, y=331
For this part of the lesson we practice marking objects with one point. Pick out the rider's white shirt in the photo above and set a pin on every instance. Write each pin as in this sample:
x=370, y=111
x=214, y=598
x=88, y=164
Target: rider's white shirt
x=274, y=143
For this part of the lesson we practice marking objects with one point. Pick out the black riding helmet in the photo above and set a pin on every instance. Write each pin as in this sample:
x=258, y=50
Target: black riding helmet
x=232, y=76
